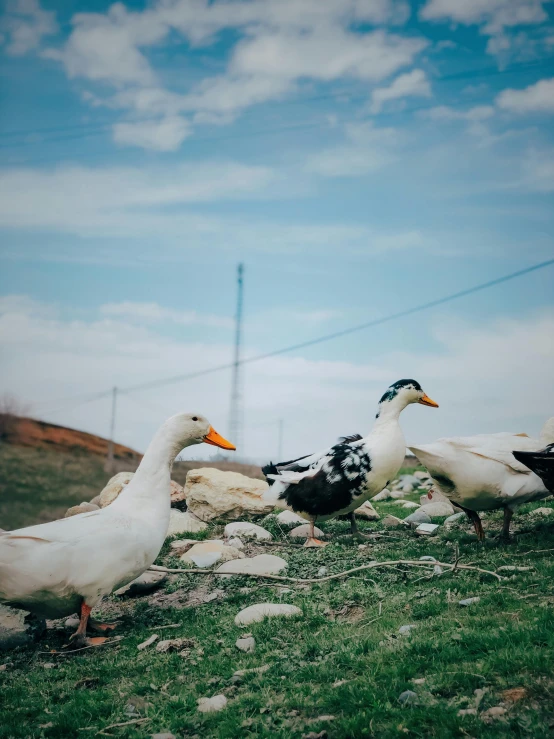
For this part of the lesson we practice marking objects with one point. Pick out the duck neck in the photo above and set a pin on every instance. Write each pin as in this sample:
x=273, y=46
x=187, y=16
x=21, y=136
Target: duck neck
x=388, y=412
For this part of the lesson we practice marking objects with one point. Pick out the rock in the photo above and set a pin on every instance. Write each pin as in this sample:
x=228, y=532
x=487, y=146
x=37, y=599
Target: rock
x=493, y=713
x=302, y=532
x=538, y=512
x=212, y=705
x=148, y=642
x=114, y=487
x=263, y=564
x=49, y=665
x=17, y=629
x=207, y=553
x=397, y=493
x=440, y=508
x=417, y=517
x=393, y=521
x=260, y=611
x=427, y=529
x=434, y=496
x=173, y=645
x=455, y=520
x=467, y=712
x=383, y=495
x=407, y=488
x=247, y=530
x=289, y=517
x=145, y=583
x=367, y=511
x=180, y=546
x=211, y=493
x=427, y=558
x=248, y=644
x=96, y=500
x=469, y=601
x=236, y=542
x=407, y=698
x=177, y=493
x=72, y=623
x=406, y=629
x=410, y=480
x=81, y=508
x=321, y=572
x=420, y=475
x=408, y=504
x=163, y=735
x=184, y=523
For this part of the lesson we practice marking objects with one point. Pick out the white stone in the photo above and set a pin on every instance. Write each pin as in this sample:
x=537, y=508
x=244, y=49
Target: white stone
x=406, y=629
x=263, y=564
x=427, y=529
x=440, y=508
x=247, y=530
x=367, y=511
x=289, y=517
x=407, y=488
x=211, y=493
x=212, y=705
x=114, y=486
x=454, y=520
x=207, y=553
x=469, y=601
x=184, y=523
x=143, y=584
x=260, y=611
x=180, y=546
x=407, y=504
x=248, y=644
x=434, y=496
x=417, y=517
x=383, y=495
x=397, y=493
x=542, y=512
x=393, y=521
x=303, y=532
x=81, y=508
x=420, y=475
x=236, y=542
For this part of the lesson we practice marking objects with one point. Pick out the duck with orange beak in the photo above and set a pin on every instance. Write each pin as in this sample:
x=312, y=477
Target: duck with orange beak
x=338, y=480
x=68, y=566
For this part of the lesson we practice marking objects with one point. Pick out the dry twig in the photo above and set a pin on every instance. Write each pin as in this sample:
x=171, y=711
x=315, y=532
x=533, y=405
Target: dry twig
x=123, y=723
x=339, y=575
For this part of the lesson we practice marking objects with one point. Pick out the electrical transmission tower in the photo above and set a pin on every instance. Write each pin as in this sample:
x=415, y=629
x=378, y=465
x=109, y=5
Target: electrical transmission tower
x=236, y=431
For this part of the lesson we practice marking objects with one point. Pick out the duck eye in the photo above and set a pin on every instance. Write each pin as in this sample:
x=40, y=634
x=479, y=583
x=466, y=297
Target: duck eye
x=195, y=418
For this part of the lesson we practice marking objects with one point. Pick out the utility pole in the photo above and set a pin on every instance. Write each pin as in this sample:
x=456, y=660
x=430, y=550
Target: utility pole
x=280, y=444
x=110, y=457
x=236, y=409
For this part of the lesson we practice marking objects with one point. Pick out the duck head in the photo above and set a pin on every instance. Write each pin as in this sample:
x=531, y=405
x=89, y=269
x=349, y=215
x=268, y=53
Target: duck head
x=402, y=393
x=193, y=428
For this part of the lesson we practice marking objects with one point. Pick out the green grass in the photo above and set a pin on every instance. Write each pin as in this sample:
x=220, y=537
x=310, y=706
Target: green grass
x=38, y=485
x=341, y=658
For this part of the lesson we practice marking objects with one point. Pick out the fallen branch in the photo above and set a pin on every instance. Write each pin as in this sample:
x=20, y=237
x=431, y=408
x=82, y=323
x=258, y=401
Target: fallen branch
x=339, y=575
x=123, y=723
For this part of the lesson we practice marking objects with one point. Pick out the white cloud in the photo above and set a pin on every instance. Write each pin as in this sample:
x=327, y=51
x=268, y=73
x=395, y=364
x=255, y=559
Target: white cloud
x=446, y=113
x=368, y=149
x=411, y=84
x=480, y=382
x=537, y=98
x=280, y=43
x=165, y=135
x=495, y=15
x=537, y=171
x=153, y=313
x=25, y=24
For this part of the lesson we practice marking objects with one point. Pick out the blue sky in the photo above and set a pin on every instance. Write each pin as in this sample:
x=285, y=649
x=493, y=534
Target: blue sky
x=359, y=156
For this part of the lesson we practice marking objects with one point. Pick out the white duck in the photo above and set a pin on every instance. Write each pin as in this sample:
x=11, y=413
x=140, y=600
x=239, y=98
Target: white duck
x=480, y=473
x=67, y=566
x=338, y=480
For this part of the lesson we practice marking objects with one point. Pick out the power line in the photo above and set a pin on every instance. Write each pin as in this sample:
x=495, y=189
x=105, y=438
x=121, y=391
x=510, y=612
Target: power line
x=99, y=128
x=344, y=332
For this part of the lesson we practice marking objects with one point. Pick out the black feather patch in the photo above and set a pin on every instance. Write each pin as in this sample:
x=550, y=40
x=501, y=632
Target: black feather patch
x=541, y=463
x=270, y=469
x=334, y=486
x=392, y=392
x=350, y=439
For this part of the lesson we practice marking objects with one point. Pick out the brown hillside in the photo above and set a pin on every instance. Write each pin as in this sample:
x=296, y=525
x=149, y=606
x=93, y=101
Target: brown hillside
x=28, y=432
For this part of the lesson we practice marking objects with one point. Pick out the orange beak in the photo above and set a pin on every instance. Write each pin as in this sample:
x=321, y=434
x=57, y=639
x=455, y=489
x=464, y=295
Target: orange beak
x=212, y=437
x=426, y=400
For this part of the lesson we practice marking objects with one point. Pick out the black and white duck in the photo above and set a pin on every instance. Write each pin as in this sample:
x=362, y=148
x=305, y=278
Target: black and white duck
x=541, y=463
x=338, y=480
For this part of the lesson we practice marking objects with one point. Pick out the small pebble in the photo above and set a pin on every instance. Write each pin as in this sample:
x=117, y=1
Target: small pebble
x=406, y=629
x=407, y=698
x=248, y=644
x=322, y=572
x=48, y=665
x=163, y=735
x=212, y=705
x=467, y=712
x=469, y=601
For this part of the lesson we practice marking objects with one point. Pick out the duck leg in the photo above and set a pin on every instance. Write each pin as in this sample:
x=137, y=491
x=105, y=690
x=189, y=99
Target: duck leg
x=79, y=638
x=311, y=541
x=354, y=530
x=476, y=521
x=505, y=535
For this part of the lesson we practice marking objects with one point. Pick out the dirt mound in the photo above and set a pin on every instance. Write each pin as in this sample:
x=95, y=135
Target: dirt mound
x=28, y=432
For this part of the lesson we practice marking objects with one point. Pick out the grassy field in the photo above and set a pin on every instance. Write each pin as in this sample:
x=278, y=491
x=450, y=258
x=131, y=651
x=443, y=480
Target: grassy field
x=339, y=668
x=38, y=485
